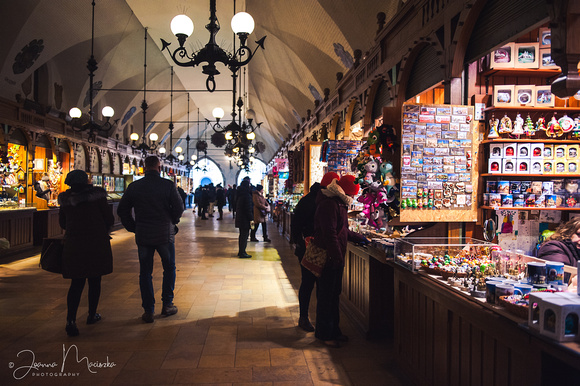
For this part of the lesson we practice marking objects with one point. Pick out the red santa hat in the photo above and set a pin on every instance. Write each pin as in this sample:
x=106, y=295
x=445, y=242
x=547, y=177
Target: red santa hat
x=347, y=184
x=328, y=177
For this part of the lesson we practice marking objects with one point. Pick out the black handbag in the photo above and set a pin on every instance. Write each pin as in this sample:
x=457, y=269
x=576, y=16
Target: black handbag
x=51, y=254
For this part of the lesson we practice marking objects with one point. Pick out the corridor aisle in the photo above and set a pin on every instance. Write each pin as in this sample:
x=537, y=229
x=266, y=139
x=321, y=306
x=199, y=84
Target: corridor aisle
x=236, y=323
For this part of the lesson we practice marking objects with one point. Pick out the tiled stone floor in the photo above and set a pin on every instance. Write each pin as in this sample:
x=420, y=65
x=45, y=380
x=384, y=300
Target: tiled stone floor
x=235, y=325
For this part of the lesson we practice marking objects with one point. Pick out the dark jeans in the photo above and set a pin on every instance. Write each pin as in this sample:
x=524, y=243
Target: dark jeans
x=243, y=240
x=264, y=230
x=305, y=291
x=167, y=254
x=327, y=304
x=221, y=211
x=75, y=291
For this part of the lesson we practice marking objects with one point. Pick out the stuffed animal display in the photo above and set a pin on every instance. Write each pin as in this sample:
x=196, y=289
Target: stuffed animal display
x=375, y=175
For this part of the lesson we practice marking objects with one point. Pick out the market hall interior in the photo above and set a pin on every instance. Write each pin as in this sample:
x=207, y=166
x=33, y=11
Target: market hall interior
x=236, y=325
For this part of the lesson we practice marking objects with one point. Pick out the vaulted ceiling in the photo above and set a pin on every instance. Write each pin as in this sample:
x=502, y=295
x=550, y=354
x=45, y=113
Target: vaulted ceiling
x=308, y=42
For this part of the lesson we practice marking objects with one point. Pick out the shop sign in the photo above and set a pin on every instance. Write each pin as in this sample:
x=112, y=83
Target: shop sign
x=282, y=164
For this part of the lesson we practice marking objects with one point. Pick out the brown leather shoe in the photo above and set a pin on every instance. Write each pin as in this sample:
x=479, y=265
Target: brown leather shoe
x=147, y=317
x=169, y=309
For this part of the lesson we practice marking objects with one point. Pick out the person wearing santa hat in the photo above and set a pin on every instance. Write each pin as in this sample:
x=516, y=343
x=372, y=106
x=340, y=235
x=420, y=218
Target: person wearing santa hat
x=331, y=233
x=302, y=226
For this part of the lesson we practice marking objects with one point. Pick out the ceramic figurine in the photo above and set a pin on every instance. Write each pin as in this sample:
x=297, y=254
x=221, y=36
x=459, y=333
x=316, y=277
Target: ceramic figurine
x=518, y=128
x=529, y=129
x=554, y=129
x=505, y=125
x=493, y=133
x=576, y=130
x=541, y=124
x=566, y=123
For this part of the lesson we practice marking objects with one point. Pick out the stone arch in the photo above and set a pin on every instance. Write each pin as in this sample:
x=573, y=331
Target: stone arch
x=406, y=71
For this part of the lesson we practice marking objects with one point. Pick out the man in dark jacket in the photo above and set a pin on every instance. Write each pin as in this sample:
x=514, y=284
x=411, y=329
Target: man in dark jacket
x=232, y=198
x=220, y=197
x=158, y=208
x=302, y=227
x=197, y=200
x=182, y=194
x=245, y=216
x=204, y=202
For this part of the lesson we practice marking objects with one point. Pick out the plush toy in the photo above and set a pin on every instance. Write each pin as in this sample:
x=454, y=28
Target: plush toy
x=374, y=143
x=388, y=139
x=371, y=169
x=387, y=178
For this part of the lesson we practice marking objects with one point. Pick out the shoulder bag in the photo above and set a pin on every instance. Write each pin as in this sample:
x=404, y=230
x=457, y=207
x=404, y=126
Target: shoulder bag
x=314, y=258
x=51, y=255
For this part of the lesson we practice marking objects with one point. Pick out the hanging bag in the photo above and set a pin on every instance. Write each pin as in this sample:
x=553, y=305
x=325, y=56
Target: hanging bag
x=51, y=255
x=314, y=258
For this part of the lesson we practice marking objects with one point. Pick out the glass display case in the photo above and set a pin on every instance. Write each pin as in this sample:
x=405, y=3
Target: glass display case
x=443, y=256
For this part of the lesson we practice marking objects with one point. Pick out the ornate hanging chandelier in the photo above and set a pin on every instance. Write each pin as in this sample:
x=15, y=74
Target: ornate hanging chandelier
x=242, y=25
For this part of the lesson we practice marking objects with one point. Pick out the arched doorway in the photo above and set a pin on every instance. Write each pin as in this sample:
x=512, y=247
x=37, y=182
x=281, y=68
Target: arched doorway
x=256, y=173
x=206, y=171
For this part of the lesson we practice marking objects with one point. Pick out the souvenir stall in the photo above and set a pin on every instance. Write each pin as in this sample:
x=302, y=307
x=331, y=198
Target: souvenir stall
x=16, y=210
x=505, y=169
x=61, y=164
x=45, y=190
x=48, y=183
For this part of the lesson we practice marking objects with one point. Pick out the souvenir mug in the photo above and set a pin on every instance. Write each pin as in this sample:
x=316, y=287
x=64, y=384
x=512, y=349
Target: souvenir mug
x=490, y=291
x=522, y=289
x=555, y=272
x=503, y=290
x=536, y=273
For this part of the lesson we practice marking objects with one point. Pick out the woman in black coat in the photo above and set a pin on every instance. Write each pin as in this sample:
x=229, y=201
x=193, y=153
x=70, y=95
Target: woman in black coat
x=245, y=216
x=86, y=218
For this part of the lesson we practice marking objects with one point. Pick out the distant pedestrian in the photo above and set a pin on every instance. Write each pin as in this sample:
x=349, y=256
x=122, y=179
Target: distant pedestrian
x=182, y=194
x=220, y=197
x=245, y=216
x=232, y=198
x=261, y=210
x=197, y=200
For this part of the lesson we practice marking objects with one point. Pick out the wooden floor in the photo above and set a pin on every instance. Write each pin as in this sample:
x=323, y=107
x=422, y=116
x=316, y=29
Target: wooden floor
x=236, y=323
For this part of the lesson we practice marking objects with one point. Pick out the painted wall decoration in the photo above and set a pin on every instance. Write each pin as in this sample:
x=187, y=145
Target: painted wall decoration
x=80, y=157
x=27, y=56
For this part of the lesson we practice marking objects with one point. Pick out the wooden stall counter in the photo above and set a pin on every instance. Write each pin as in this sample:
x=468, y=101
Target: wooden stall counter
x=367, y=295
x=16, y=226
x=446, y=337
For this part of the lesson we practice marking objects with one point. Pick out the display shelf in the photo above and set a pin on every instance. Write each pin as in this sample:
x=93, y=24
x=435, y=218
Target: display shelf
x=526, y=208
x=530, y=108
x=522, y=140
x=527, y=176
x=526, y=72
